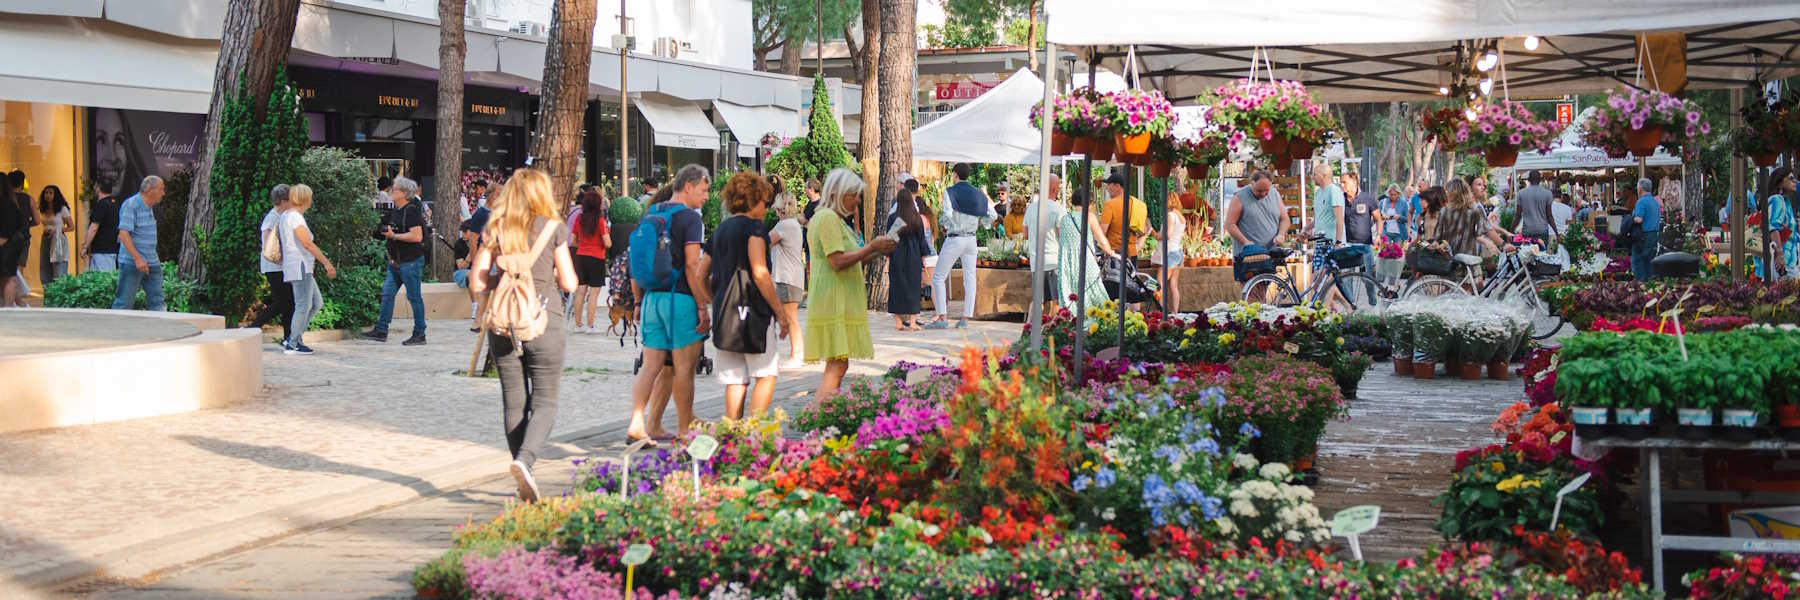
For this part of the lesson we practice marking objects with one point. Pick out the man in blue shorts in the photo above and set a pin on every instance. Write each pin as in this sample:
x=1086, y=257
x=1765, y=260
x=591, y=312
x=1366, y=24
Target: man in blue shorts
x=675, y=321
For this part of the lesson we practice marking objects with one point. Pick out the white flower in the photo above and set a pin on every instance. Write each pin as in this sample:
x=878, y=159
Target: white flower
x=1261, y=490
x=904, y=447
x=1109, y=514
x=1287, y=516
x=1225, y=525
x=932, y=530
x=1295, y=537
x=1244, y=461
x=1302, y=493
x=1243, y=508
x=1275, y=471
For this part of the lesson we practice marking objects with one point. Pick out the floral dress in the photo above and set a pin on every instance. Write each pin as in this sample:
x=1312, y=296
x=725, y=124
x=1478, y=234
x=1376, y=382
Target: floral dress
x=837, y=319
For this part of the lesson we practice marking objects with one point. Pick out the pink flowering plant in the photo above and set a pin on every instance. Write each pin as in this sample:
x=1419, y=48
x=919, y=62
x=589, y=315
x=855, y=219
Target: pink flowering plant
x=1211, y=148
x=1132, y=112
x=1073, y=114
x=1680, y=119
x=1506, y=123
x=1264, y=110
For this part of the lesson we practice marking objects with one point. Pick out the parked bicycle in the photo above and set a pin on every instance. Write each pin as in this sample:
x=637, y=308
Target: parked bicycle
x=1342, y=271
x=1515, y=281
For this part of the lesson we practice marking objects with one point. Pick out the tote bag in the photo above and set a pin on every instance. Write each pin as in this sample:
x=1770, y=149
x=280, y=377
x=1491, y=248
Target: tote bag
x=740, y=314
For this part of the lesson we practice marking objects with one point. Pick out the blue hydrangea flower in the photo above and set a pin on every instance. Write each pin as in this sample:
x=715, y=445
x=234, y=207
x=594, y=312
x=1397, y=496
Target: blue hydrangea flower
x=1205, y=446
x=1212, y=508
x=1190, y=493
x=1170, y=454
x=1212, y=396
x=1104, y=477
x=1250, y=431
x=1082, y=482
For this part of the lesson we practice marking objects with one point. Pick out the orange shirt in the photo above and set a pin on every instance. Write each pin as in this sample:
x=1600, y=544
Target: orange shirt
x=1112, y=217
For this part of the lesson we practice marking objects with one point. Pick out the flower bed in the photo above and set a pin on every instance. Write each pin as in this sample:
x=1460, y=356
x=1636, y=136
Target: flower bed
x=1710, y=305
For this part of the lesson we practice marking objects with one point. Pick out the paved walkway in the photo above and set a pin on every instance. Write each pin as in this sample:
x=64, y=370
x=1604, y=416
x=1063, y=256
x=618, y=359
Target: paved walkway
x=35, y=332
x=357, y=427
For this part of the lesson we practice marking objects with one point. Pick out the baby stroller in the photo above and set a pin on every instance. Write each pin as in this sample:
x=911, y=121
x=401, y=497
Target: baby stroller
x=1140, y=288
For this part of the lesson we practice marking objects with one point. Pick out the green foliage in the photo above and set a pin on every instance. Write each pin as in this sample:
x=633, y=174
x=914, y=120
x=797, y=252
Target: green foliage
x=820, y=151
x=778, y=19
x=623, y=215
x=713, y=212
x=96, y=289
x=352, y=301
x=171, y=213
x=341, y=217
x=253, y=156
x=1490, y=495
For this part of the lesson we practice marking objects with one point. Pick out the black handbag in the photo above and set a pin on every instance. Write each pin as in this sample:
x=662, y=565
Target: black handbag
x=740, y=313
x=1428, y=262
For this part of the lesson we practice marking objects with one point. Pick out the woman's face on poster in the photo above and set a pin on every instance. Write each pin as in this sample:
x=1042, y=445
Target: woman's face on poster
x=110, y=148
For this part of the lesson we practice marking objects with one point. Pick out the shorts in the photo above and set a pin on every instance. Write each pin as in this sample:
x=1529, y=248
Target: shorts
x=1052, y=283
x=789, y=294
x=1173, y=259
x=669, y=321
x=737, y=368
x=590, y=271
x=461, y=276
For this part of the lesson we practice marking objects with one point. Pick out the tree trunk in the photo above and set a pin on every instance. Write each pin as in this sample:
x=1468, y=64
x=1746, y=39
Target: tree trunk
x=252, y=47
x=790, y=55
x=869, y=145
x=1031, y=37
x=452, y=47
x=895, y=66
x=566, y=62
x=856, y=55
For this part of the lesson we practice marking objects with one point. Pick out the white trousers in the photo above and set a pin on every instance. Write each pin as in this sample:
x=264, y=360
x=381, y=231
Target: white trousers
x=956, y=249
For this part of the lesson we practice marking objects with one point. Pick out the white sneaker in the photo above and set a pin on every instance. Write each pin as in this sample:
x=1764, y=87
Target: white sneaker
x=528, y=489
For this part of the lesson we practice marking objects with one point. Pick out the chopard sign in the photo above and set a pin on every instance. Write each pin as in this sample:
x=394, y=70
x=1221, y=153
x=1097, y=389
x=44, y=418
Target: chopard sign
x=400, y=101
x=163, y=144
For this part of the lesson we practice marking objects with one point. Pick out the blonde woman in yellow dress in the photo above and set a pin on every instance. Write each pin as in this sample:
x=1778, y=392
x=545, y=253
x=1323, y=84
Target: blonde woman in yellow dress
x=837, y=320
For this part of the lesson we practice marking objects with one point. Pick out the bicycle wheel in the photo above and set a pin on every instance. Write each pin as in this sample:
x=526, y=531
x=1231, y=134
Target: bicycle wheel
x=1431, y=286
x=1269, y=288
x=1544, y=322
x=1362, y=292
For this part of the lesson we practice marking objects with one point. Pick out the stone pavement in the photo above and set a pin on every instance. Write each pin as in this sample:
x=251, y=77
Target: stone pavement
x=357, y=427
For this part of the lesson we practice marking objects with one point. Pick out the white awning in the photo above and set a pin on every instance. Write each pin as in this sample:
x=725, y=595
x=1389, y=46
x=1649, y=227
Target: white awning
x=64, y=60
x=678, y=124
x=749, y=123
x=344, y=34
x=992, y=128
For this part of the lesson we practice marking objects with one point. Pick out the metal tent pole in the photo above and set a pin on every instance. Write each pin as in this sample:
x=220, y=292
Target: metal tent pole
x=1043, y=204
x=1738, y=199
x=1086, y=190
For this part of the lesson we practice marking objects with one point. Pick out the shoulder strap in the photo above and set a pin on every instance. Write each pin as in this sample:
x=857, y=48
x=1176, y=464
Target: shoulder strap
x=543, y=239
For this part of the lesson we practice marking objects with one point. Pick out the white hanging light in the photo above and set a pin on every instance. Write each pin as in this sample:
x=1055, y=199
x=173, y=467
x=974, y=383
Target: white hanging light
x=1531, y=42
x=1470, y=113
x=1486, y=85
x=1443, y=91
x=1488, y=61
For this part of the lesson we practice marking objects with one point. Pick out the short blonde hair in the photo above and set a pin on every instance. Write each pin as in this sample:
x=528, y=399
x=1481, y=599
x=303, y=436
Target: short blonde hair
x=300, y=196
x=842, y=183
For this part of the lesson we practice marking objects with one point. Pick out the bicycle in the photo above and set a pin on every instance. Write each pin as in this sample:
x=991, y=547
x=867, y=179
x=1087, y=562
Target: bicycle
x=1359, y=291
x=1513, y=282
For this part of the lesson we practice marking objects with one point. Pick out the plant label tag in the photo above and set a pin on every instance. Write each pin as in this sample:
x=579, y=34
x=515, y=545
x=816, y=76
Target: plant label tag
x=1556, y=513
x=1291, y=348
x=917, y=377
x=1559, y=436
x=625, y=476
x=636, y=554
x=1355, y=520
x=703, y=447
x=1109, y=354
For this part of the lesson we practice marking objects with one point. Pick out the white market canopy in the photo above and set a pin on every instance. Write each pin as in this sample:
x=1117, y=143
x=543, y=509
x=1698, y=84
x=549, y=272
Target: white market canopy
x=1404, y=49
x=993, y=128
x=1570, y=154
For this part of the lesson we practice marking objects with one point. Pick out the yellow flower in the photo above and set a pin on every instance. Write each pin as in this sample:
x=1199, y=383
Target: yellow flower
x=1497, y=466
x=1340, y=340
x=1184, y=344
x=1530, y=484
x=1226, y=338
x=1509, y=484
x=1188, y=332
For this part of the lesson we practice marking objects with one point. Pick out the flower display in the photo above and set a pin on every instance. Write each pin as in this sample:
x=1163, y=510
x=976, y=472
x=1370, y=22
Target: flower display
x=1743, y=577
x=1506, y=123
x=1259, y=110
x=1074, y=114
x=1208, y=149
x=1131, y=112
x=1680, y=120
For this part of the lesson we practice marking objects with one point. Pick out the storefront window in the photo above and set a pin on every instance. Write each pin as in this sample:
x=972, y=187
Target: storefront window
x=41, y=141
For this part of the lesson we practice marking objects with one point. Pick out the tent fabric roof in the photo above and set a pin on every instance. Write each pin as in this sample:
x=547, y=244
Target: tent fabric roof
x=992, y=128
x=1570, y=154
x=678, y=124
x=748, y=124
x=1402, y=49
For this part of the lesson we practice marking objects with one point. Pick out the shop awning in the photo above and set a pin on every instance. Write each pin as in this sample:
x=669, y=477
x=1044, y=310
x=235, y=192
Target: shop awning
x=678, y=124
x=749, y=123
x=345, y=34
x=64, y=60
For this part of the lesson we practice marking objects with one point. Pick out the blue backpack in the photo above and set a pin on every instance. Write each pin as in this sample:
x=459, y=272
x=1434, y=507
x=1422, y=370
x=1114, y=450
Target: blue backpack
x=652, y=267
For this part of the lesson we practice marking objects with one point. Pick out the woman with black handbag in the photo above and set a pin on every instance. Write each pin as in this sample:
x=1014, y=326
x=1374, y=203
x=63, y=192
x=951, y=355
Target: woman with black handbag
x=745, y=322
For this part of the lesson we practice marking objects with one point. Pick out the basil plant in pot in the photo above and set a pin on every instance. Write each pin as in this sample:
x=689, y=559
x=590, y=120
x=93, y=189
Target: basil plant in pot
x=1696, y=386
x=1743, y=405
x=1587, y=389
x=1640, y=395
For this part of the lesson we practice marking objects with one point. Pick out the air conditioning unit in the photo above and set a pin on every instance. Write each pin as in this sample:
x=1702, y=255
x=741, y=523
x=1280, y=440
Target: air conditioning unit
x=668, y=47
x=530, y=28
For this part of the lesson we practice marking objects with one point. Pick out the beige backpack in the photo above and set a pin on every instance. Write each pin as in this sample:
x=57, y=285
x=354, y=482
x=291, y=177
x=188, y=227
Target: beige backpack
x=515, y=309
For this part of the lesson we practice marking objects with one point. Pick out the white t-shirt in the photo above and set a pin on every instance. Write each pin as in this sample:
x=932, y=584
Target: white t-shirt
x=296, y=261
x=1052, y=219
x=1561, y=212
x=268, y=223
x=787, y=260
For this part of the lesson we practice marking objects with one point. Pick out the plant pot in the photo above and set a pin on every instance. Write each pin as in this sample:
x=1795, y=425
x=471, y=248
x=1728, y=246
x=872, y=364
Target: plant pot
x=1424, y=369
x=1161, y=168
x=1497, y=369
x=1471, y=371
x=1137, y=143
x=1197, y=172
x=1738, y=424
x=1787, y=421
x=1694, y=423
x=1103, y=149
x=1403, y=366
x=1502, y=155
x=1084, y=145
x=1617, y=153
x=1301, y=149
x=1061, y=143
x=1634, y=423
x=1305, y=463
x=1642, y=142
x=1137, y=160
x=1275, y=147
x=1765, y=159
x=1590, y=421
x=1453, y=365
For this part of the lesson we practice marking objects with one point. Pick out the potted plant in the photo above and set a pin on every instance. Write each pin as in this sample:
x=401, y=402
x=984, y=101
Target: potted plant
x=1072, y=116
x=1201, y=154
x=1647, y=119
x=1693, y=387
x=1511, y=332
x=1501, y=129
x=1430, y=337
x=1271, y=113
x=1165, y=151
x=1400, y=336
x=1588, y=389
x=1480, y=340
x=1135, y=117
x=1743, y=405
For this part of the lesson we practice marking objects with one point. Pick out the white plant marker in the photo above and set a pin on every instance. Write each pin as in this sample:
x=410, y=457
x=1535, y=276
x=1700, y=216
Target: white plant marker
x=701, y=449
x=1556, y=514
x=625, y=478
x=1354, y=521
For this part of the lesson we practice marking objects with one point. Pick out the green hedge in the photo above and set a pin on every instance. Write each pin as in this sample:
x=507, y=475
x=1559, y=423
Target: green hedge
x=96, y=289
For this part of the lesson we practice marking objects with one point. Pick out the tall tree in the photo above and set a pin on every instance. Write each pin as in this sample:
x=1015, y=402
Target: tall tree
x=899, y=54
x=252, y=48
x=788, y=24
x=564, y=101
x=865, y=57
x=452, y=47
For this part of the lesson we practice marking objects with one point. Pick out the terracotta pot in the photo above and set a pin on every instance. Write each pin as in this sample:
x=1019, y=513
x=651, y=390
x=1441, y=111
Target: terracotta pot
x=1061, y=143
x=1787, y=416
x=1137, y=143
x=1765, y=160
x=1424, y=369
x=1084, y=145
x=1452, y=365
x=1502, y=155
x=1403, y=366
x=1498, y=370
x=1471, y=370
x=1103, y=149
x=1299, y=149
x=1642, y=142
x=1197, y=172
x=1161, y=168
x=1275, y=147
x=1617, y=153
x=1305, y=463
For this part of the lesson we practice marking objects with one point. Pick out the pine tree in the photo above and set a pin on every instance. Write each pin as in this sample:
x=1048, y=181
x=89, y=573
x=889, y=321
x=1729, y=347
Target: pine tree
x=252, y=157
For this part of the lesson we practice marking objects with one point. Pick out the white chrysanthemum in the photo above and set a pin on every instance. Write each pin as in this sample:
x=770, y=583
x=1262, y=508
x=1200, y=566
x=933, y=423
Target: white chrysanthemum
x=1302, y=493
x=1244, y=508
x=1275, y=471
x=1225, y=525
x=1295, y=537
x=1261, y=490
x=1287, y=516
x=1244, y=461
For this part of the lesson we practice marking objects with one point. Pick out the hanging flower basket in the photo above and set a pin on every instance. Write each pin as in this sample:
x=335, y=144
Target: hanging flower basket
x=1274, y=147
x=1643, y=140
x=1061, y=143
x=1197, y=171
x=1161, y=168
x=1073, y=115
x=1103, y=149
x=1502, y=155
x=1274, y=113
x=1765, y=160
x=1617, y=153
x=1136, y=143
x=1136, y=160
x=1301, y=148
x=1084, y=145
x=1134, y=117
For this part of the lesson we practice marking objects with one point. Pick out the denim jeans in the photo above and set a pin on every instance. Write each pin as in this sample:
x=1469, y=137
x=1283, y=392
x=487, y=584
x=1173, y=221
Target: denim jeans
x=410, y=274
x=1641, y=254
x=103, y=262
x=307, y=300
x=129, y=282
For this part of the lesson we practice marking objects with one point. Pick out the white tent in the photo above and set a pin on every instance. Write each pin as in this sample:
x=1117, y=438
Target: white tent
x=1570, y=154
x=1406, y=49
x=993, y=128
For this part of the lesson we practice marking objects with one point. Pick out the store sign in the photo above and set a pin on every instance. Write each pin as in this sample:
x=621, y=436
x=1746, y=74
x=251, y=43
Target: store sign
x=124, y=146
x=487, y=109
x=1565, y=113
x=397, y=101
x=963, y=90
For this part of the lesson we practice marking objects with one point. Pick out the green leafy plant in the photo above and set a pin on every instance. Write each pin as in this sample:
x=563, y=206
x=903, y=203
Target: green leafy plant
x=171, y=213
x=1501, y=489
x=341, y=217
x=96, y=289
x=259, y=147
x=352, y=301
x=820, y=151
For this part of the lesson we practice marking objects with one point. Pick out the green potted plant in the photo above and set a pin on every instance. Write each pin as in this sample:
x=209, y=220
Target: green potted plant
x=1430, y=335
x=1475, y=343
x=1400, y=334
x=1641, y=384
x=1743, y=405
x=1693, y=387
x=1587, y=389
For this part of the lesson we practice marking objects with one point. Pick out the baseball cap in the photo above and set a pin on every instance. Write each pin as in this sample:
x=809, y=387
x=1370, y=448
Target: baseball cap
x=905, y=177
x=1115, y=179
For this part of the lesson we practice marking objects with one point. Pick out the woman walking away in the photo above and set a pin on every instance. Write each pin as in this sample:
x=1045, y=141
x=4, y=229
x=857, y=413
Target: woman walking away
x=297, y=256
x=1174, y=229
x=906, y=266
x=745, y=322
x=789, y=269
x=54, y=253
x=532, y=249
x=593, y=237
x=1071, y=255
x=837, y=326
x=280, y=303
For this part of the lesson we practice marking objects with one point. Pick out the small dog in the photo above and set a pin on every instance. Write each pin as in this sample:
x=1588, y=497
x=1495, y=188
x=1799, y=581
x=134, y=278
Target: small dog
x=624, y=323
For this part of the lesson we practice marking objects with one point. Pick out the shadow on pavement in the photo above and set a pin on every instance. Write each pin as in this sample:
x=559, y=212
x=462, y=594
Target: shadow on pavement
x=293, y=460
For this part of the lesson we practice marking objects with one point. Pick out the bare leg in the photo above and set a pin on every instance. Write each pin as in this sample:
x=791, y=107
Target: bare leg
x=659, y=401
x=593, y=301
x=797, y=345
x=642, y=389
x=762, y=396
x=575, y=304
x=734, y=401
x=834, y=375
x=1173, y=294
x=683, y=389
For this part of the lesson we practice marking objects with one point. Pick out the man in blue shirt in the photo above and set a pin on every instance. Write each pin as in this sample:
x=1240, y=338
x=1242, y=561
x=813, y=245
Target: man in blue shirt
x=137, y=240
x=1647, y=217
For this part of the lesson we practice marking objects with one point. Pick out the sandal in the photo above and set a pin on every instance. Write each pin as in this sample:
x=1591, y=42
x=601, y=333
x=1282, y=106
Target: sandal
x=652, y=442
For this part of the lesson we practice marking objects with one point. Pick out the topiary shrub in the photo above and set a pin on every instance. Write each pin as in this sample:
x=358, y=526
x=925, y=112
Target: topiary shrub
x=820, y=151
x=341, y=217
x=96, y=289
x=352, y=301
x=624, y=215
